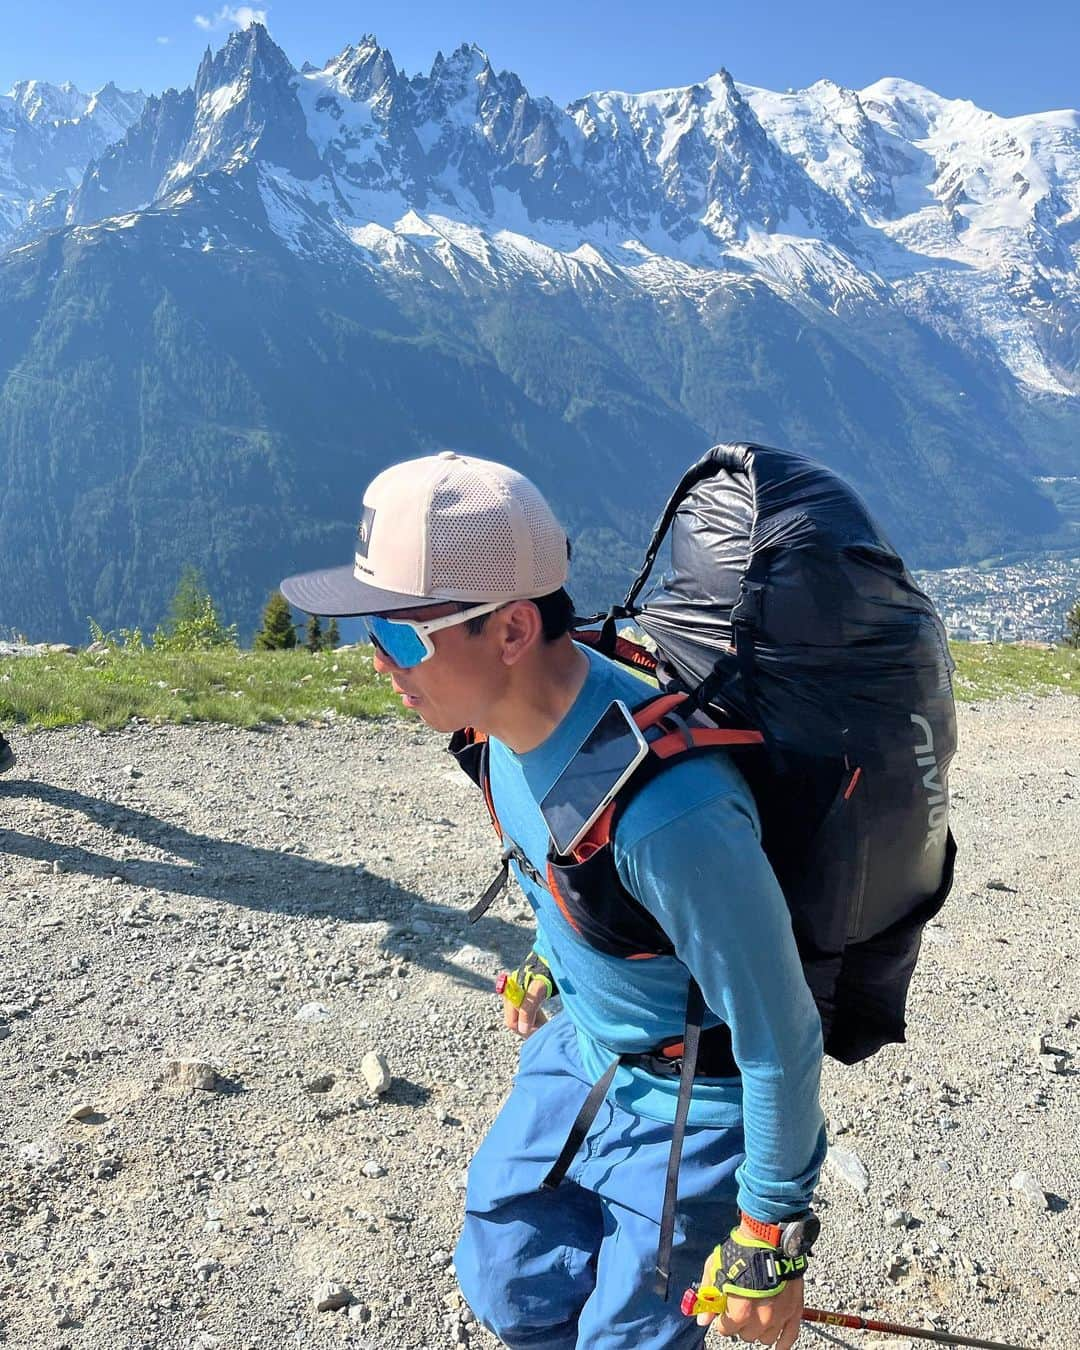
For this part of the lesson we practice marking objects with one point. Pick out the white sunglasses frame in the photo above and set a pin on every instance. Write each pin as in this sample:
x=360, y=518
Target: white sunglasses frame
x=422, y=627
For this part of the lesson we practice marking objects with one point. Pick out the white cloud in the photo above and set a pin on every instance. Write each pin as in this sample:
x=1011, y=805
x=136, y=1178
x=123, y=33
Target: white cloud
x=238, y=16
x=163, y=41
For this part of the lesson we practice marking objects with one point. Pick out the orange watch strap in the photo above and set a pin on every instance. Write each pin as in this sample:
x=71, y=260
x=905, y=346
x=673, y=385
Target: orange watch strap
x=767, y=1232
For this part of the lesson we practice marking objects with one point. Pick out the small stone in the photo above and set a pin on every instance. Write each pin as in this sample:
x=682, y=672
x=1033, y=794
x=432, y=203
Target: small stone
x=897, y=1218
x=331, y=1297
x=322, y=1082
x=440, y=1260
x=43, y=1153
x=1038, y=1043
x=996, y=884
x=376, y=1072
x=58, y=867
x=372, y=1168
x=206, y=1267
x=1026, y=1185
x=193, y=1074
x=132, y=771
x=83, y=1111
x=898, y=1267
x=312, y=1012
x=849, y=1167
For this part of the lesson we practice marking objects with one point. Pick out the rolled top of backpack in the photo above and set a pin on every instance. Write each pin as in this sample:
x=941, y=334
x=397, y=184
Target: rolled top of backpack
x=785, y=595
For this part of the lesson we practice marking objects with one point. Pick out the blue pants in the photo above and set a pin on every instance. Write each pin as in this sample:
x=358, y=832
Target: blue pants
x=574, y=1267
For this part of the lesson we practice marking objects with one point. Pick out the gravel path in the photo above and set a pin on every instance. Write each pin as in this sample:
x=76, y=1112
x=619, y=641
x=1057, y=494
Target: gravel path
x=279, y=905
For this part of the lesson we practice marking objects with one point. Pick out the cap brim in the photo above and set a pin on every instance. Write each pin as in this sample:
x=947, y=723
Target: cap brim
x=336, y=593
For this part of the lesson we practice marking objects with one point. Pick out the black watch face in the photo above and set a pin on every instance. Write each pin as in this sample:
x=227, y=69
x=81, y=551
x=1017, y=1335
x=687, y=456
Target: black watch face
x=799, y=1237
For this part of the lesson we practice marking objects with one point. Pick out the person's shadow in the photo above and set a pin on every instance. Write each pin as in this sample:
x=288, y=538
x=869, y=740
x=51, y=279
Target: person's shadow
x=266, y=879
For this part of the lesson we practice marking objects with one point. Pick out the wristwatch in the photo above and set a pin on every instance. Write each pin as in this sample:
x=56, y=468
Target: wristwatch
x=793, y=1237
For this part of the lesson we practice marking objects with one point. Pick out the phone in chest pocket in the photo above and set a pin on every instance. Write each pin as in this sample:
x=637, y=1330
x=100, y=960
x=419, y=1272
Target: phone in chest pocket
x=599, y=767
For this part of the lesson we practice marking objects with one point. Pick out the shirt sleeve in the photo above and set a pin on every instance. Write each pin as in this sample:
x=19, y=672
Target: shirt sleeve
x=704, y=877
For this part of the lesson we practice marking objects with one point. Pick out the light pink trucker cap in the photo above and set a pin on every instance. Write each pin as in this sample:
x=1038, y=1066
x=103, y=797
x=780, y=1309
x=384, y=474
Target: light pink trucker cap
x=445, y=527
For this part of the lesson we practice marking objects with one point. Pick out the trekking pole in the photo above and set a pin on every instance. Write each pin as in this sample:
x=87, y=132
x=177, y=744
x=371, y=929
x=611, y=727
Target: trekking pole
x=854, y=1323
x=709, y=1299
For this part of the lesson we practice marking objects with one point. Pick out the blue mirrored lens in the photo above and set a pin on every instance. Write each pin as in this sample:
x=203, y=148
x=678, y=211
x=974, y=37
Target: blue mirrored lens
x=400, y=641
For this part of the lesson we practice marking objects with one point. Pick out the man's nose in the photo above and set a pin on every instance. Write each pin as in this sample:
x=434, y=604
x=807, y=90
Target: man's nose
x=380, y=660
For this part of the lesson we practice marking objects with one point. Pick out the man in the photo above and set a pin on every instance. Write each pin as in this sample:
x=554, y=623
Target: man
x=460, y=568
x=7, y=755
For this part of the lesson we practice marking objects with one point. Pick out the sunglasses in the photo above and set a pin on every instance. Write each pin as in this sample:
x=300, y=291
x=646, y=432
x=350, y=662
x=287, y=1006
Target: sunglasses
x=407, y=642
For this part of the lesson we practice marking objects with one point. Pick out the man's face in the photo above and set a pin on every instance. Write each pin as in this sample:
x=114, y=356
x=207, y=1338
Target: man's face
x=452, y=688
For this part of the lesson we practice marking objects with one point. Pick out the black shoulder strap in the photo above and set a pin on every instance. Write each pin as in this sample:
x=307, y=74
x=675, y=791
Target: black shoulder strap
x=695, y=1012
x=580, y=1127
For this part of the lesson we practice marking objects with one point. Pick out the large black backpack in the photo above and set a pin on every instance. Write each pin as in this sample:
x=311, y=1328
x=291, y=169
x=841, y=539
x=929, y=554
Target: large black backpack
x=785, y=609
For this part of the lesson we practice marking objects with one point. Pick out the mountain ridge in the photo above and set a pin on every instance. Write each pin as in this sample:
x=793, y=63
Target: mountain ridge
x=826, y=191
x=595, y=293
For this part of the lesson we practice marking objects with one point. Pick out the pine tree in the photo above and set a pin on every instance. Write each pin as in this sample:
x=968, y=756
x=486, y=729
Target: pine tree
x=314, y=640
x=193, y=623
x=278, y=632
x=189, y=599
x=332, y=636
x=1072, y=626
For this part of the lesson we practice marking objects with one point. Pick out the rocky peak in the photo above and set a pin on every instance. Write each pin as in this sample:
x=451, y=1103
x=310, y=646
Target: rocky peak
x=114, y=110
x=247, y=107
x=44, y=102
x=250, y=60
x=366, y=72
x=453, y=81
x=252, y=52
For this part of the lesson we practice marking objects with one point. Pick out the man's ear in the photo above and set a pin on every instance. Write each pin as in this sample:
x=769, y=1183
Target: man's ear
x=522, y=628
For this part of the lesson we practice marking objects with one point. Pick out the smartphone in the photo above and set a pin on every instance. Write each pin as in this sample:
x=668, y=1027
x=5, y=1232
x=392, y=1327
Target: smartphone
x=602, y=763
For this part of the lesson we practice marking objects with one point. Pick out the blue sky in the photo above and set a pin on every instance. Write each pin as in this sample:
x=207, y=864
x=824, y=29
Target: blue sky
x=1015, y=58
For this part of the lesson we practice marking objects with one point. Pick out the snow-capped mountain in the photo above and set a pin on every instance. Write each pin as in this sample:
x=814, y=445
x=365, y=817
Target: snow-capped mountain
x=323, y=268
x=48, y=135
x=972, y=219
x=964, y=219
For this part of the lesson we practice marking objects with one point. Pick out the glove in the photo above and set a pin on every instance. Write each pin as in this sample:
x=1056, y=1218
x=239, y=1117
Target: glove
x=534, y=967
x=523, y=991
x=749, y=1267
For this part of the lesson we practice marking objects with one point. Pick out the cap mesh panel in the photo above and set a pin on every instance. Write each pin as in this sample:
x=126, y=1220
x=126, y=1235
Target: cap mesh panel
x=548, y=541
x=471, y=542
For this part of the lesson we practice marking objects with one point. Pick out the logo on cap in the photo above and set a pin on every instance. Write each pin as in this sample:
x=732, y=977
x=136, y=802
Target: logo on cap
x=363, y=531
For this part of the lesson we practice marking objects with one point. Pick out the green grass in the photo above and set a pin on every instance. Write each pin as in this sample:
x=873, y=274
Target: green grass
x=986, y=670
x=255, y=688
x=237, y=687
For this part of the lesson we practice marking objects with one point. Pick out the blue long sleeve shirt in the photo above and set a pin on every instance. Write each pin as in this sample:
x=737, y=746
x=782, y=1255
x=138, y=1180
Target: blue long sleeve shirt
x=688, y=848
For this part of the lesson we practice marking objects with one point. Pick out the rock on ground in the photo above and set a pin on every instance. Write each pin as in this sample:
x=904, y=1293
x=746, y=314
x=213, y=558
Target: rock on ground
x=277, y=905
